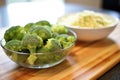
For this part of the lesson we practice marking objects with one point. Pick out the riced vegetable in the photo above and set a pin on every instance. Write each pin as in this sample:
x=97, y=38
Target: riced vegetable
x=86, y=19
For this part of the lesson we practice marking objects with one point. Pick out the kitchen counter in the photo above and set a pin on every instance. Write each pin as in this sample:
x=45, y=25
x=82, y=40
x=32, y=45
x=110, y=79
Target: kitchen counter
x=87, y=61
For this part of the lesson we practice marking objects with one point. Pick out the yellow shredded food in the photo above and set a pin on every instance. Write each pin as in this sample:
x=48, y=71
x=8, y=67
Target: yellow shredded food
x=87, y=19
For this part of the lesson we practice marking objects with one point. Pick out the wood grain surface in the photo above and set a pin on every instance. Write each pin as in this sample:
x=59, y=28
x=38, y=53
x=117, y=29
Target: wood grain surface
x=87, y=61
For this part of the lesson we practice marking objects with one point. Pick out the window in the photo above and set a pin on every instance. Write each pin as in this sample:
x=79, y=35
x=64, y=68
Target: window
x=24, y=11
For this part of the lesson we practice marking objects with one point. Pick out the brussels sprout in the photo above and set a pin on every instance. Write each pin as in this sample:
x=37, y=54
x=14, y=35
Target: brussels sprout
x=14, y=45
x=28, y=26
x=31, y=42
x=65, y=40
x=61, y=29
x=51, y=45
x=43, y=23
x=14, y=32
x=41, y=32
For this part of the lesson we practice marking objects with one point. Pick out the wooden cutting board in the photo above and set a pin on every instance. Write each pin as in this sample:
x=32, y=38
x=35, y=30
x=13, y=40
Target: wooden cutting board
x=87, y=61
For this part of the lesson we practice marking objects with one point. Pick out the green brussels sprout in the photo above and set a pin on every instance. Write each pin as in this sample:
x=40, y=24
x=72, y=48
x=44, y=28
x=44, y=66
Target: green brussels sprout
x=45, y=26
x=31, y=42
x=65, y=40
x=61, y=29
x=51, y=45
x=71, y=39
x=66, y=44
x=14, y=32
x=62, y=37
x=41, y=32
x=28, y=26
x=43, y=23
x=54, y=35
x=14, y=45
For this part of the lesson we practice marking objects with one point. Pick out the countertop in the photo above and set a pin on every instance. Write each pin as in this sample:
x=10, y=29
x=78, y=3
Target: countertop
x=86, y=61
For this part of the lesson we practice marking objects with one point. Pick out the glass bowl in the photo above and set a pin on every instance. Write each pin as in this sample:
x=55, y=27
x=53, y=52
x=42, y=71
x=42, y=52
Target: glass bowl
x=44, y=60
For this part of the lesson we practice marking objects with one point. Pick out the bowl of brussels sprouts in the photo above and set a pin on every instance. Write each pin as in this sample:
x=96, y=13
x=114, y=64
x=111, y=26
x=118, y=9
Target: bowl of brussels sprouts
x=38, y=45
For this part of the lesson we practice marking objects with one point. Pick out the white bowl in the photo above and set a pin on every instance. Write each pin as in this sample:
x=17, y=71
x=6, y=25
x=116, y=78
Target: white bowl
x=93, y=34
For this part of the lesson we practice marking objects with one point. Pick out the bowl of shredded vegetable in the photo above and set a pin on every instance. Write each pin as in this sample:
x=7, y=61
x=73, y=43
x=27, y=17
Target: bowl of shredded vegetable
x=90, y=25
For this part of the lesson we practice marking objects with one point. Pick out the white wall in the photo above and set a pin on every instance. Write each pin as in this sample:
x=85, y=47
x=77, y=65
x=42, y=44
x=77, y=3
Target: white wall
x=91, y=3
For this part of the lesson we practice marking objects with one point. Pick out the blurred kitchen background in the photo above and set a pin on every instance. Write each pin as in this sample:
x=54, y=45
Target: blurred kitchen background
x=14, y=12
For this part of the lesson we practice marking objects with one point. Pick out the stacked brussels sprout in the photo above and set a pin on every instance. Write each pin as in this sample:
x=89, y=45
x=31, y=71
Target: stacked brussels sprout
x=34, y=38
